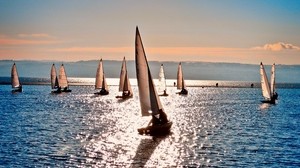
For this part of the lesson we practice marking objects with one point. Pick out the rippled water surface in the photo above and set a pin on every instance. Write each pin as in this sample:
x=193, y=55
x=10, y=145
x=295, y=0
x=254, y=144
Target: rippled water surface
x=222, y=127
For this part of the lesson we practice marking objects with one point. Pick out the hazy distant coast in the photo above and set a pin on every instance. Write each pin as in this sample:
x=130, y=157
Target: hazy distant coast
x=191, y=70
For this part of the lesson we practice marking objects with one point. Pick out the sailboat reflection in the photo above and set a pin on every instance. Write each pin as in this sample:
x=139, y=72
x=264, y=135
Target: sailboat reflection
x=144, y=151
x=264, y=106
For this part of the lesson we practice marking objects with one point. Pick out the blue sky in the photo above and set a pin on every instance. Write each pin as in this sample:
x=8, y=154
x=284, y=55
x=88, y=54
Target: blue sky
x=172, y=30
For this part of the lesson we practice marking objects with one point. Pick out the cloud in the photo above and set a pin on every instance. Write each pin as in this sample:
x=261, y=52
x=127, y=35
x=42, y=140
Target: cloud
x=152, y=50
x=38, y=35
x=277, y=47
x=5, y=40
x=94, y=49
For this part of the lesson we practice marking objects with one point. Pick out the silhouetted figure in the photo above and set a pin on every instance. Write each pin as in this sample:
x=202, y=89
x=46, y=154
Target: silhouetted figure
x=174, y=84
x=252, y=85
x=275, y=96
x=159, y=119
x=217, y=84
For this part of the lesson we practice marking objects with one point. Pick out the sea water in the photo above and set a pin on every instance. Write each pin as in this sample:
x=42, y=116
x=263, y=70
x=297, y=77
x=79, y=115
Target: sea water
x=212, y=126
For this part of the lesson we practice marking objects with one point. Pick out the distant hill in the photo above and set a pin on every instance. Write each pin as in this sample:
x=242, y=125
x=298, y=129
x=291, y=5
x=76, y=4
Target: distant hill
x=191, y=70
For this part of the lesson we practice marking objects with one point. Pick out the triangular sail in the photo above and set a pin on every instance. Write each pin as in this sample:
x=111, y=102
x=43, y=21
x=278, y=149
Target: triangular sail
x=264, y=83
x=124, y=84
x=99, y=76
x=54, y=80
x=104, y=83
x=162, y=79
x=180, y=79
x=122, y=75
x=15, y=83
x=62, y=78
x=149, y=99
x=273, y=80
x=127, y=86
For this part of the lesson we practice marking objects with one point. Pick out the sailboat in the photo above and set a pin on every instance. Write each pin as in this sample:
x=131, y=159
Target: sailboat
x=124, y=85
x=268, y=90
x=60, y=83
x=149, y=100
x=162, y=81
x=100, y=80
x=180, y=81
x=15, y=82
x=273, y=88
x=54, y=80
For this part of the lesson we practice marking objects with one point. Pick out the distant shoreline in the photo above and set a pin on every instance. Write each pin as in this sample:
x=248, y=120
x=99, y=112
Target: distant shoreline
x=170, y=82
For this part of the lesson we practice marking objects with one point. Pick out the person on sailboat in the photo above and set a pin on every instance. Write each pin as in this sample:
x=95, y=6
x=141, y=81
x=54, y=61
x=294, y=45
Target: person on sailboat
x=165, y=92
x=275, y=96
x=126, y=93
x=159, y=119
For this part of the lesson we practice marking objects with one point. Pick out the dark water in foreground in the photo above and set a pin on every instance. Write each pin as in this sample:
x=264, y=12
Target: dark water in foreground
x=218, y=127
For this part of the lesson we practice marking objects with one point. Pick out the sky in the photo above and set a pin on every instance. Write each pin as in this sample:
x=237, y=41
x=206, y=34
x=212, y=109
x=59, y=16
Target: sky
x=248, y=31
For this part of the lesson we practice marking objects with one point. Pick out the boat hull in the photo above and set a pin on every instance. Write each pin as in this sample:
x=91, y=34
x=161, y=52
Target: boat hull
x=56, y=91
x=124, y=97
x=183, y=92
x=164, y=94
x=102, y=92
x=17, y=90
x=68, y=90
x=156, y=130
x=268, y=101
x=61, y=91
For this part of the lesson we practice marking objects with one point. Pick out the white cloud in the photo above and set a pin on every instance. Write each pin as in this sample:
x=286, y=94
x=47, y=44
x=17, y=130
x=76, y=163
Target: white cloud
x=37, y=35
x=277, y=47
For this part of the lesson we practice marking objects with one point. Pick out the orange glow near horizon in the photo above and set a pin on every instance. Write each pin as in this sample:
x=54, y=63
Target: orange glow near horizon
x=46, y=47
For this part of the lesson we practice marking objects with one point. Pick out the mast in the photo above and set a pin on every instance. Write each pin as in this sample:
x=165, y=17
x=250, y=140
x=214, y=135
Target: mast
x=62, y=78
x=15, y=83
x=264, y=82
x=149, y=99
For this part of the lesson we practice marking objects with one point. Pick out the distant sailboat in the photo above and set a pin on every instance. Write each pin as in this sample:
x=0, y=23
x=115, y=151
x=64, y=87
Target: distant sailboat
x=162, y=81
x=54, y=80
x=180, y=81
x=62, y=82
x=15, y=82
x=273, y=86
x=268, y=91
x=149, y=100
x=101, y=81
x=124, y=85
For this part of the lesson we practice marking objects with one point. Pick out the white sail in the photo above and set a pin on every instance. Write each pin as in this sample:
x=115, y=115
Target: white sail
x=273, y=80
x=54, y=80
x=15, y=83
x=99, y=76
x=124, y=84
x=149, y=99
x=62, y=77
x=104, y=83
x=180, y=79
x=265, y=86
x=161, y=79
